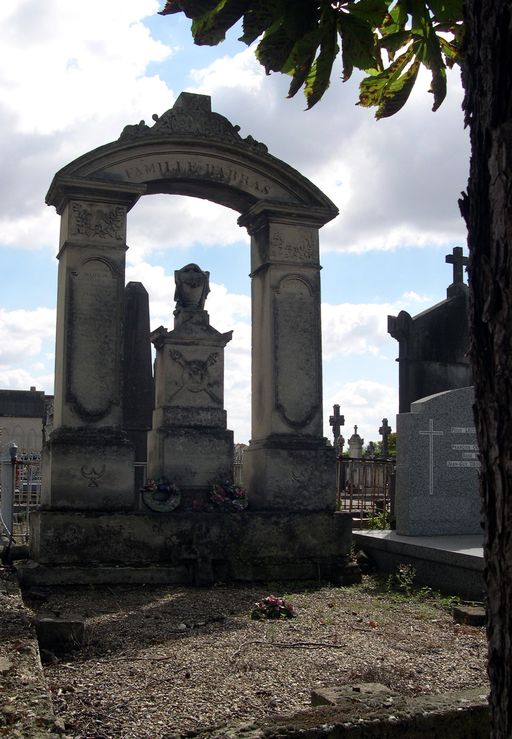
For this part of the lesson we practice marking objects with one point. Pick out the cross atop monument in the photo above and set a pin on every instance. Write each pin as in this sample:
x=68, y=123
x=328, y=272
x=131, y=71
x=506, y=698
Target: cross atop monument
x=336, y=421
x=459, y=261
x=385, y=431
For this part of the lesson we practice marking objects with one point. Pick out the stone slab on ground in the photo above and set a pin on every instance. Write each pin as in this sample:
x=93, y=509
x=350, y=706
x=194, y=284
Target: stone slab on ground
x=451, y=564
x=26, y=710
x=460, y=715
x=368, y=692
x=470, y=615
x=58, y=635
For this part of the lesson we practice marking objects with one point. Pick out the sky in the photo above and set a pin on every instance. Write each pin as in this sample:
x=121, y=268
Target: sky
x=72, y=75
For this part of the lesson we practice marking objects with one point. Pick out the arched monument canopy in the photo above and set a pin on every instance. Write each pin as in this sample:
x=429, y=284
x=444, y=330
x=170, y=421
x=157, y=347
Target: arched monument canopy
x=191, y=151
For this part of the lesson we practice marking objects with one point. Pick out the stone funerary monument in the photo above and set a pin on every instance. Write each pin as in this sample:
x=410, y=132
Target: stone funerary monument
x=433, y=346
x=437, y=489
x=91, y=512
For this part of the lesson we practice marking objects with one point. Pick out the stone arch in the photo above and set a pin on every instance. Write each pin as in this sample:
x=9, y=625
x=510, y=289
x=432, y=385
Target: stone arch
x=190, y=150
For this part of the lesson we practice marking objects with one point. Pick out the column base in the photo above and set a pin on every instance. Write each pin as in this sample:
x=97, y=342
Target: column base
x=192, y=458
x=88, y=469
x=290, y=473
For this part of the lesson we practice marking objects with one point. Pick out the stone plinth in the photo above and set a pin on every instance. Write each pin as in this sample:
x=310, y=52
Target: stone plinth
x=437, y=489
x=88, y=469
x=285, y=474
x=189, y=443
x=199, y=547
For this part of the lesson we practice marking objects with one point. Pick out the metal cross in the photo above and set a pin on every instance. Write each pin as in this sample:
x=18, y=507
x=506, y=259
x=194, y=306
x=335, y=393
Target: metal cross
x=431, y=433
x=385, y=431
x=459, y=261
x=336, y=421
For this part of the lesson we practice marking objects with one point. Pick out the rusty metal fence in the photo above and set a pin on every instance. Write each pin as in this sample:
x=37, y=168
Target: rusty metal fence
x=365, y=488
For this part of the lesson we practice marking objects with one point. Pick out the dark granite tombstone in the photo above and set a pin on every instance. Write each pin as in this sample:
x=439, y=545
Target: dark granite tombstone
x=137, y=374
x=433, y=345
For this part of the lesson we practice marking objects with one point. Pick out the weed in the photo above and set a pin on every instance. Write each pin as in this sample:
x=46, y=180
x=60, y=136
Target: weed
x=402, y=580
x=381, y=521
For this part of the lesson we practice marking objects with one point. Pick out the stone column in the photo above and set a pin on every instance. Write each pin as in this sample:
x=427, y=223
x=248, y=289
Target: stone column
x=137, y=375
x=88, y=459
x=288, y=464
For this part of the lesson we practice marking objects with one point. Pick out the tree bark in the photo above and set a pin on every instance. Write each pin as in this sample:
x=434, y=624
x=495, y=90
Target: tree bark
x=487, y=209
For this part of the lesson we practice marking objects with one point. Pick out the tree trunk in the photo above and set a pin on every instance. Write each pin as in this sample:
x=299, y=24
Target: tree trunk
x=487, y=209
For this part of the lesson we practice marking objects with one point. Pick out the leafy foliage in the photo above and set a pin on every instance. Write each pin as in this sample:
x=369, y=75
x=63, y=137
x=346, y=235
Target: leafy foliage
x=388, y=39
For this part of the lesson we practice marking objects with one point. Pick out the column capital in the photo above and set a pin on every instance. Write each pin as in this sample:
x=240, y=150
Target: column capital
x=263, y=212
x=64, y=189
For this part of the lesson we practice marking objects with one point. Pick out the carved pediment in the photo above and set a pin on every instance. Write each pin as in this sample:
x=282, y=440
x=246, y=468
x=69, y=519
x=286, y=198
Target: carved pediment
x=192, y=115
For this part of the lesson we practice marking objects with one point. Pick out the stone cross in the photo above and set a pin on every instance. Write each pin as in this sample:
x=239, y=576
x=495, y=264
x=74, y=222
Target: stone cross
x=336, y=421
x=459, y=261
x=431, y=433
x=385, y=431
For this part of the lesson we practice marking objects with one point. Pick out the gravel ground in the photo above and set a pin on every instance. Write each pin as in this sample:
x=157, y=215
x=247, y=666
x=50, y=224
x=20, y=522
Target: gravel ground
x=162, y=661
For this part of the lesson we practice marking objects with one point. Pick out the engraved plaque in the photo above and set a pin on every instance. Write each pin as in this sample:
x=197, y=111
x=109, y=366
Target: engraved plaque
x=297, y=351
x=94, y=339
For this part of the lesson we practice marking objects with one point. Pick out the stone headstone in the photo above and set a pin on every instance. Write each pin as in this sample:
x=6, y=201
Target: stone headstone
x=189, y=443
x=437, y=489
x=433, y=346
x=355, y=445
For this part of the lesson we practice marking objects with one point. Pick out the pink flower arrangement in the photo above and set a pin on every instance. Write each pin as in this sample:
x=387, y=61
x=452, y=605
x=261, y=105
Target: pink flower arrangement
x=228, y=495
x=272, y=607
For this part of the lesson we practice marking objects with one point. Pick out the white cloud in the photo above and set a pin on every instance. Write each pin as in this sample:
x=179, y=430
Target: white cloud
x=78, y=64
x=22, y=333
x=413, y=297
x=71, y=78
x=170, y=221
x=15, y=378
x=361, y=328
x=240, y=71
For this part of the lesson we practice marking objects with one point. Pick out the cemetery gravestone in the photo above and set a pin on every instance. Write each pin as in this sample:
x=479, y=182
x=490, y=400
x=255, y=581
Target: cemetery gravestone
x=189, y=443
x=355, y=445
x=433, y=346
x=437, y=489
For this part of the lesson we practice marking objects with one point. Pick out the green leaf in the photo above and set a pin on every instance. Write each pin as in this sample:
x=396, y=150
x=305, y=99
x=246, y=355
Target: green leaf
x=451, y=52
x=396, y=18
x=210, y=28
x=191, y=8
x=359, y=46
x=395, y=41
x=300, y=74
x=397, y=93
x=258, y=18
x=370, y=11
x=373, y=88
x=319, y=76
x=438, y=86
x=446, y=11
x=274, y=48
x=303, y=52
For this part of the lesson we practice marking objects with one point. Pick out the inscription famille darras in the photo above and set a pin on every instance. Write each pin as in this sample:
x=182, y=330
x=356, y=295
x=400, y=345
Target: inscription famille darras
x=469, y=452
x=191, y=168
